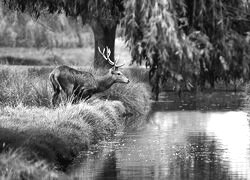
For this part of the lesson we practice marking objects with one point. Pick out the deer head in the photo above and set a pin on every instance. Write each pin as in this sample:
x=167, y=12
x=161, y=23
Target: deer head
x=116, y=75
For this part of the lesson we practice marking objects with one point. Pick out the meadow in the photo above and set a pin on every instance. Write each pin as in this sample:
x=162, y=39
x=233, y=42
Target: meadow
x=37, y=140
x=45, y=56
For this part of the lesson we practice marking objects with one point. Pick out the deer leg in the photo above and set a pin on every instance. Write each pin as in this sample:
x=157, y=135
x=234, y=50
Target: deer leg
x=55, y=96
x=69, y=96
x=77, y=94
x=69, y=93
x=56, y=89
x=75, y=99
x=86, y=94
x=89, y=96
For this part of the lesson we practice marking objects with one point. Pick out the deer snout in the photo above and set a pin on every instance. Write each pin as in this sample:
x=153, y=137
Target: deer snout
x=125, y=80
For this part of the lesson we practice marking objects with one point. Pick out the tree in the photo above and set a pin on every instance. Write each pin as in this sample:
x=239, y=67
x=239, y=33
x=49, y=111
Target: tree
x=102, y=15
x=184, y=40
x=191, y=38
x=171, y=53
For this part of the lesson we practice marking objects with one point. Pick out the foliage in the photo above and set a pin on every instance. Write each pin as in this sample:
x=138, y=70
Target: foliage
x=108, y=11
x=102, y=16
x=169, y=53
x=189, y=40
x=50, y=30
x=229, y=58
x=186, y=42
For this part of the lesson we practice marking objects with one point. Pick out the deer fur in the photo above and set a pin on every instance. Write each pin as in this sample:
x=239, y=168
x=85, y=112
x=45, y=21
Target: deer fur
x=80, y=85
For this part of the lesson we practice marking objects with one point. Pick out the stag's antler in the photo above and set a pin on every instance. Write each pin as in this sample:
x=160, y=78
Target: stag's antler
x=107, y=57
x=116, y=62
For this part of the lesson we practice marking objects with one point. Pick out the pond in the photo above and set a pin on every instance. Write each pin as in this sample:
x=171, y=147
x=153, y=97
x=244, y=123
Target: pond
x=195, y=137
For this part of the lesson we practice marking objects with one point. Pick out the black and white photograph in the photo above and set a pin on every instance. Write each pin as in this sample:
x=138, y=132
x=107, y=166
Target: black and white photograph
x=124, y=89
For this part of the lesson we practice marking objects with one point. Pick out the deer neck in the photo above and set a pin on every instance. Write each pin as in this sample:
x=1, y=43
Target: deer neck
x=104, y=82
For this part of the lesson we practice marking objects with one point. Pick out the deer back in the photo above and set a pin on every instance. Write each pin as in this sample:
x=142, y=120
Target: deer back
x=68, y=76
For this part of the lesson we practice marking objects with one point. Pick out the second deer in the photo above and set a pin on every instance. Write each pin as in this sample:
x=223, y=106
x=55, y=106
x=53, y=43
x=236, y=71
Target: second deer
x=80, y=85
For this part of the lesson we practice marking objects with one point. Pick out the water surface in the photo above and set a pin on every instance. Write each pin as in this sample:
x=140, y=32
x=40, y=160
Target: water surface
x=211, y=141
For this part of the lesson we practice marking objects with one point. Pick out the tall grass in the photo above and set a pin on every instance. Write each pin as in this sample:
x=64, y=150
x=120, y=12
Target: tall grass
x=31, y=87
x=14, y=165
x=58, y=135
x=20, y=88
x=135, y=95
x=135, y=98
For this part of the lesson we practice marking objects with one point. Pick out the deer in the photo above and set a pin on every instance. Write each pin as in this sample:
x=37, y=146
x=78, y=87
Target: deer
x=80, y=85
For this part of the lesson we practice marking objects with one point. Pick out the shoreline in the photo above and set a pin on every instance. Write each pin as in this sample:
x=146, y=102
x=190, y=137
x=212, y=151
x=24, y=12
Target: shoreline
x=57, y=136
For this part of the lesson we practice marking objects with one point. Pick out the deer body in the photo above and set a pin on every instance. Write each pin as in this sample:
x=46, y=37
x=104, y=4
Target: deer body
x=81, y=84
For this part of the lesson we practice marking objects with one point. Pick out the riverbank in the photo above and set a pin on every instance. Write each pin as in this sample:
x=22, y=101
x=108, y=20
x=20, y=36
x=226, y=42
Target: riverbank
x=57, y=136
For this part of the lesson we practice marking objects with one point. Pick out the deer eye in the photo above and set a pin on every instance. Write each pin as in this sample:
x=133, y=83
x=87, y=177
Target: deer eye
x=118, y=73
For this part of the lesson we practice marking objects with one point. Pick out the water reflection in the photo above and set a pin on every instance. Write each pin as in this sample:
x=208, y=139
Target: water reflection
x=232, y=130
x=215, y=101
x=178, y=145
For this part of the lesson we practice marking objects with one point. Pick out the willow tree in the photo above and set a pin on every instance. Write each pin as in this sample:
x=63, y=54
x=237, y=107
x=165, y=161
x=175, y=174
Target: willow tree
x=190, y=39
x=226, y=24
x=182, y=39
x=171, y=53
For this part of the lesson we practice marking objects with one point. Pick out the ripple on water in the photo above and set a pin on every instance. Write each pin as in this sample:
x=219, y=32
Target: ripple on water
x=179, y=145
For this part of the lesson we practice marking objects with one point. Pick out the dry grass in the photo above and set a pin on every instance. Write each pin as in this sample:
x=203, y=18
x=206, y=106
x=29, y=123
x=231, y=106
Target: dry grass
x=14, y=165
x=30, y=85
x=23, y=88
x=136, y=99
x=58, y=135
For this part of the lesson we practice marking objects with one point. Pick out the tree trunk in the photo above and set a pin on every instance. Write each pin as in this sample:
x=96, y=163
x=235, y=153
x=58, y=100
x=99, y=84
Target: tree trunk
x=104, y=37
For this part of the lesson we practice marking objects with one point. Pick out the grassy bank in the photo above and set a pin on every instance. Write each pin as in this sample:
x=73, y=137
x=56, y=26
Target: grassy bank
x=30, y=86
x=27, y=121
x=58, y=135
x=14, y=165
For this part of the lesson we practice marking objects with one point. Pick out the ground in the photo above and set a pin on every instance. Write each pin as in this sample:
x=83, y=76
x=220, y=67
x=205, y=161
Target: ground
x=54, y=56
x=54, y=136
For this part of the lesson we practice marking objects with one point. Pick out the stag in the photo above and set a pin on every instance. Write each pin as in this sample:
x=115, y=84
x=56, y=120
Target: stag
x=79, y=85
